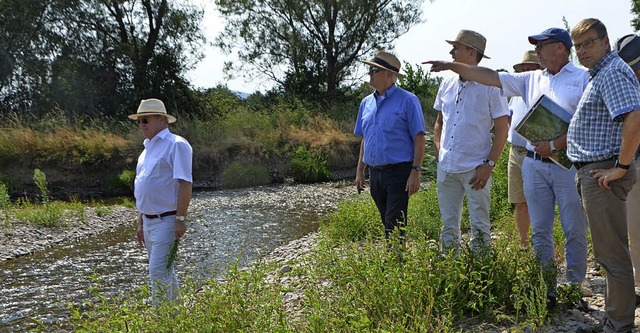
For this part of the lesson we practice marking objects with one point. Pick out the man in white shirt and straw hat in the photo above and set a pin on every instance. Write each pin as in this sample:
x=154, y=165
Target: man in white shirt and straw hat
x=163, y=192
x=546, y=183
x=466, y=153
x=518, y=151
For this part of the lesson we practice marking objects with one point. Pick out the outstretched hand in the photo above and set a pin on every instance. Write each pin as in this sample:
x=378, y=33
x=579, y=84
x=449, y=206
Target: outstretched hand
x=438, y=66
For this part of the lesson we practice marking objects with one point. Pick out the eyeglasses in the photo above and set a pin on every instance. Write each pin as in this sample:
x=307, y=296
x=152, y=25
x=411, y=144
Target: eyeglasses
x=373, y=70
x=459, y=93
x=540, y=45
x=585, y=45
x=142, y=121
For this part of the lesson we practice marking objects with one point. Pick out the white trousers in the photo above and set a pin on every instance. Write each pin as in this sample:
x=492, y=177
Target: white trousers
x=159, y=234
x=451, y=188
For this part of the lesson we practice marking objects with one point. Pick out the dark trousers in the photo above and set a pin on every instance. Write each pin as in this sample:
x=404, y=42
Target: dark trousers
x=388, y=189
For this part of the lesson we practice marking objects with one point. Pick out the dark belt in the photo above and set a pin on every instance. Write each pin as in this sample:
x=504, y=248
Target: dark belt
x=580, y=165
x=389, y=166
x=159, y=216
x=537, y=157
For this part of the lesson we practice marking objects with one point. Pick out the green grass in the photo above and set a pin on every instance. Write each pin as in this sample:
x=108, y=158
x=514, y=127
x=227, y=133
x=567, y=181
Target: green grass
x=352, y=282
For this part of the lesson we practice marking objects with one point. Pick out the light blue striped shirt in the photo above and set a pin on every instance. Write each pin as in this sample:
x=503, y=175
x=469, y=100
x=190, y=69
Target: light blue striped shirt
x=595, y=131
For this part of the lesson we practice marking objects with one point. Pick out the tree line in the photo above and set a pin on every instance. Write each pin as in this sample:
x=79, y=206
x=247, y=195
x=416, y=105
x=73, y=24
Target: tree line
x=98, y=58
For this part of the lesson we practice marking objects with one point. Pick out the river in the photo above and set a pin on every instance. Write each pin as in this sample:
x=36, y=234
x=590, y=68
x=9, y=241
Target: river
x=225, y=227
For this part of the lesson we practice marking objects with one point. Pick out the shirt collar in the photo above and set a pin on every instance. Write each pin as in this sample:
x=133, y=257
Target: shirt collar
x=161, y=135
x=569, y=67
x=387, y=93
x=602, y=63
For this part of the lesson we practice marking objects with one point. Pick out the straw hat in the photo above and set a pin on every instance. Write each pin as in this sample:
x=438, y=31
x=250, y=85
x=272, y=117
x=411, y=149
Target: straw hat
x=471, y=39
x=386, y=61
x=152, y=107
x=530, y=57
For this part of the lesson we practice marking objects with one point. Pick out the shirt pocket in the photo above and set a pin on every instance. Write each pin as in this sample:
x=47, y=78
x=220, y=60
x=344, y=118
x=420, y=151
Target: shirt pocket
x=149, y=168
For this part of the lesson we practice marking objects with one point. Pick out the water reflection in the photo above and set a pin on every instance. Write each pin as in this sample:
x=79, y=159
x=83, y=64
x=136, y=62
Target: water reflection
x=227, y=226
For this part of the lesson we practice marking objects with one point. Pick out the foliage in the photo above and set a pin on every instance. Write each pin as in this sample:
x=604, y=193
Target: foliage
x=41, y=182
x=309, y=166
x=95, y=57
x=47, y=215
x=212, y=307
x=310, y=47
x=635, y=10
x=124, y=180
x=239, y=175
x=5, y=201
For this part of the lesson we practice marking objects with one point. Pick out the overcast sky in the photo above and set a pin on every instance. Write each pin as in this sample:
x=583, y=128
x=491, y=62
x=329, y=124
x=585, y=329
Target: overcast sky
x=505, y=23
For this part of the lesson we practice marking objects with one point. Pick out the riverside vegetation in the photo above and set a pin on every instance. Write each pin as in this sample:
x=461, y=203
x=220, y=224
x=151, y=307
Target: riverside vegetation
x=351, y=281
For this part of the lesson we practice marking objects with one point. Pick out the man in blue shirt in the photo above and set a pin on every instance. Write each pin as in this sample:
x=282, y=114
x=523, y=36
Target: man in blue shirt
x=601, y=142
x=391, y=124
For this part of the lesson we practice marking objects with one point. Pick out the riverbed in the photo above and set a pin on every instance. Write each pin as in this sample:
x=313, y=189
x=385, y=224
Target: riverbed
x=225, y=227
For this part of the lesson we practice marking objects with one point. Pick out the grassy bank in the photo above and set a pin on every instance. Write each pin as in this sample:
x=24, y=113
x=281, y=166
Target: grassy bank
x=352, y=282
x=236, y=143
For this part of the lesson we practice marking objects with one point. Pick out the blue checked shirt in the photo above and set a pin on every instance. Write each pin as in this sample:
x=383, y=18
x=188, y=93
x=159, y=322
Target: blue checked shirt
x=388, y=123
x=595, y=131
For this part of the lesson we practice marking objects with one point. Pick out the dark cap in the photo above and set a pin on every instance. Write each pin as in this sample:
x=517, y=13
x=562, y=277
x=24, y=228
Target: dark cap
x=558, y=34
x=628, y=48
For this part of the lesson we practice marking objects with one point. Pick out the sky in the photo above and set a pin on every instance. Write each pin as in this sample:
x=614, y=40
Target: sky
x=505, y=24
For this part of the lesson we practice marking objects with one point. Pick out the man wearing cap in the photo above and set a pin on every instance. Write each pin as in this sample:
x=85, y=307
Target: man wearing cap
x=546, y=183
x=467, y=111
x=628, y=48
x=163, y=192
x=518, y=151
x=602, y=140
x=391, y=124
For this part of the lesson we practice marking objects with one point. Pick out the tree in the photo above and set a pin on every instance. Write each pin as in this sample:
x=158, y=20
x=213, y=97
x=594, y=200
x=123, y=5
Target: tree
x=96, y=57
x=635, y=10
x=309, y=47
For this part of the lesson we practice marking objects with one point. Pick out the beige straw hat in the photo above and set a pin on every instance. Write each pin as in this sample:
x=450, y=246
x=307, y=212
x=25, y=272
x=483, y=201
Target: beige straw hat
x=152, y=107
x=471, y=39
x=530, y=57
x=386, y=61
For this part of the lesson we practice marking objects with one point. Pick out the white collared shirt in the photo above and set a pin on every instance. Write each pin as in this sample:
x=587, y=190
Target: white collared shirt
x=166, y=159
x=565, y=88
x=468, y=110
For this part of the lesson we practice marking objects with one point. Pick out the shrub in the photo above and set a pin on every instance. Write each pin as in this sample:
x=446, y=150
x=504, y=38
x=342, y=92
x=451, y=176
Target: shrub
x=41, y=182
x=309, y=166
x=124, y=180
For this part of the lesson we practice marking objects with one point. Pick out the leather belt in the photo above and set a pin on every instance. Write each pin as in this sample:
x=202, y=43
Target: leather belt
x=159, y=216
x=537, y=157
x=579, y=165
x=389, y=166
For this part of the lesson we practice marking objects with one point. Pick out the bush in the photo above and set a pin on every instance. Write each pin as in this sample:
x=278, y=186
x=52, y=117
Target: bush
x=309, y=166
x=123, y=181
x=238, y=175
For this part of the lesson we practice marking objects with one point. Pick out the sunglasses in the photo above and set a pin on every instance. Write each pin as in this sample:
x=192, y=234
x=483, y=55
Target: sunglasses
x=374, y=70
x=142, y=121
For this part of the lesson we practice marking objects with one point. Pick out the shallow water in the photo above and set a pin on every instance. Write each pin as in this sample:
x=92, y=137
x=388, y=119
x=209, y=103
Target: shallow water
x=226, y=226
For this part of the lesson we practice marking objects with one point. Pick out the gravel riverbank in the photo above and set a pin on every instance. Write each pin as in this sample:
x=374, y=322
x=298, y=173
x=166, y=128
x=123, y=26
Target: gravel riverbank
x=20, y=238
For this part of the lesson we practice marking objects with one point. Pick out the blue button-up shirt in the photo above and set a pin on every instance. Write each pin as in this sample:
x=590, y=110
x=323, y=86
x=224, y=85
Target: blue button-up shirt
x=595, y=130
x=388, y=123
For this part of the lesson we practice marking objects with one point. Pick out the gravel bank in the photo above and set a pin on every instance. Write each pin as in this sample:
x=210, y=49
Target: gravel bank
x=20, y=238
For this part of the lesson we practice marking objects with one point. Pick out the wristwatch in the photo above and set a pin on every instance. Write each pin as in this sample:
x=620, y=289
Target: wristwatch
x=416, y=167
x=181, y=218
x=490, y=162
x=553, y=148
x=622, y=166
